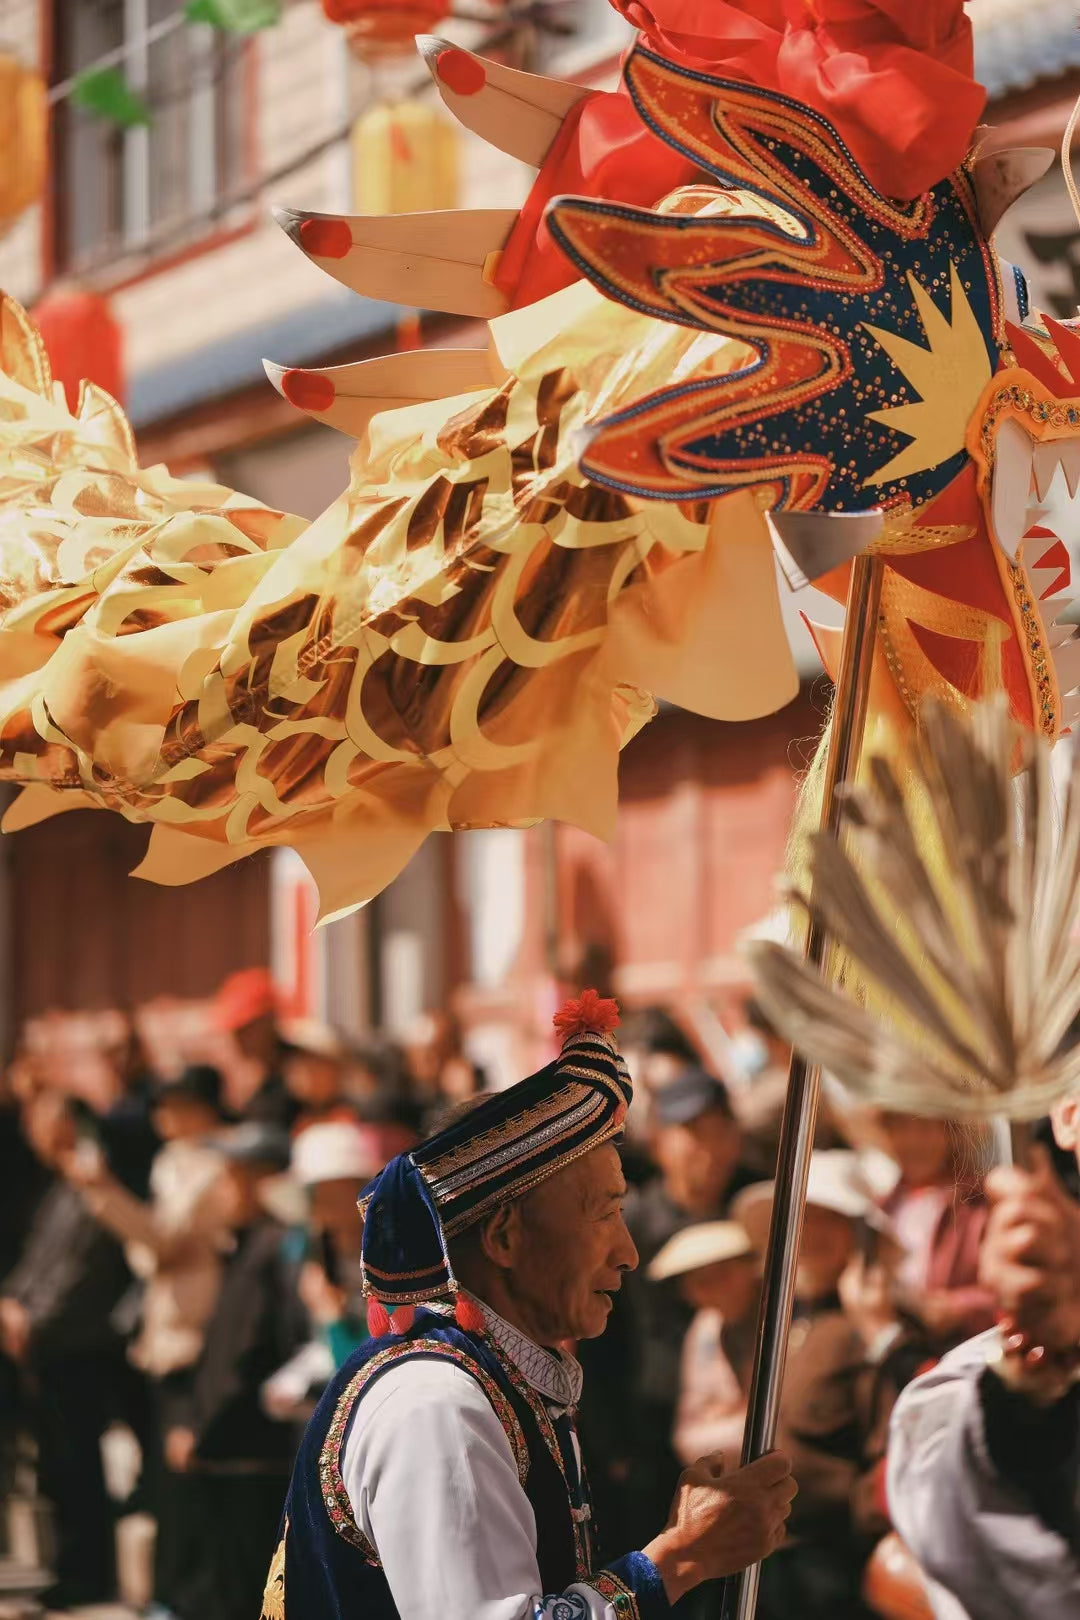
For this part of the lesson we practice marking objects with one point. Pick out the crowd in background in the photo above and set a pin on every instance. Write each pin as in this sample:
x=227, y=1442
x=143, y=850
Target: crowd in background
x=181, y=1256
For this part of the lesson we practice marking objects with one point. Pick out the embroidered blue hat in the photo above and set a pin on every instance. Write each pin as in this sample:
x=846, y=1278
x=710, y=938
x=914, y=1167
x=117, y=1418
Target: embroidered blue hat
x=502, y=1148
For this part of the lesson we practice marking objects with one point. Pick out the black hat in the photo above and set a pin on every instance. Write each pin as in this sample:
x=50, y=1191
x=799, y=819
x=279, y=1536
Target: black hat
x=267, y=1146
x=692, y=1093
x=199, y=1082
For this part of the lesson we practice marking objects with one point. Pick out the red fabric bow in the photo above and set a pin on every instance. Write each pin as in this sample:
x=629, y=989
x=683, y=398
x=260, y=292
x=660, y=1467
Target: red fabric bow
x=894, y=78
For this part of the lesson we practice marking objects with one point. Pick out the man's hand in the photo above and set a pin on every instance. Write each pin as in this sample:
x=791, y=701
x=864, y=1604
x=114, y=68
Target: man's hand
x=721, y=1523
x=85, y=1166
x=179, y=1449
x=323, y=1302
x=867, y=1297
x=1031, y=1253
x=14, y=1329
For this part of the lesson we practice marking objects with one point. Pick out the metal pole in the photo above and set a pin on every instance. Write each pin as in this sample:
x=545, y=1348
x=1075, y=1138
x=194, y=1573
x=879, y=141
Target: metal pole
x=800, y=1108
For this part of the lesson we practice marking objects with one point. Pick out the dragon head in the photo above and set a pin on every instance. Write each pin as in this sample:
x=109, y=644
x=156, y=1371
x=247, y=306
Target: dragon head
x=886, y=366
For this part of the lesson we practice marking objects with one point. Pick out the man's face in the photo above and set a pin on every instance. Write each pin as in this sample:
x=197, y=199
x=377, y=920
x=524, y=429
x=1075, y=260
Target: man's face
x=727, y=1286
x=1065, y=1119
x=564, y=1247
x=697, y=1160
x=828, y=1244
x=236, y=1194
x=313, y=1080
x=258, y=1040
x=921, y=1147
x=179, y=1119
x=334, y=1210
x=49, y=1127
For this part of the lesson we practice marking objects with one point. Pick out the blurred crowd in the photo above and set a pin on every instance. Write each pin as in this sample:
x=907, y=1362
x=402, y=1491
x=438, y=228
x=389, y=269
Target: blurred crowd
x=181, y=1256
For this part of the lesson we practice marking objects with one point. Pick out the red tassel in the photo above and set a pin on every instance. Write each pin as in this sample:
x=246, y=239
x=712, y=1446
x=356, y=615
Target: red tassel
x=470, y=1318
x=590, y=1014
x=402, y=1319
x=378, y=1319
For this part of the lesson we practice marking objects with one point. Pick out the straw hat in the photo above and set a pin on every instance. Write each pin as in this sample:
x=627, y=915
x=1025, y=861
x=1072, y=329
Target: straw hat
x=698, y=1246
x=836, y=1182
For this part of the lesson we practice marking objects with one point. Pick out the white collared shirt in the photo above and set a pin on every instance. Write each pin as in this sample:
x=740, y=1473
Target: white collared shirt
x=434, y=1486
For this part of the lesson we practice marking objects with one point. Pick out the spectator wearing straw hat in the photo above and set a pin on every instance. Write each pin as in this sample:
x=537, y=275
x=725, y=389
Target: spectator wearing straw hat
x=716, y=1270
x=850, y=1353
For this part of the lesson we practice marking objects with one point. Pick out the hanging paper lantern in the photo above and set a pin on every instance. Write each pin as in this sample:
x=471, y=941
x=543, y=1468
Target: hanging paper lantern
x=405, y=160
x=24, y=118
x=385, y=27
x=83, y=341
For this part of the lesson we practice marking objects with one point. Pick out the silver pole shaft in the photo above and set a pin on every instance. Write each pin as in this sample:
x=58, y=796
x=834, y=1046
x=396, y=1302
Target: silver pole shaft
x=800, y=1108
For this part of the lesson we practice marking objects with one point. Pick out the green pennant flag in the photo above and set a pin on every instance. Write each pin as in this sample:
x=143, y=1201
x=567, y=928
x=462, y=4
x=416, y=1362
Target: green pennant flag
x=105, y=93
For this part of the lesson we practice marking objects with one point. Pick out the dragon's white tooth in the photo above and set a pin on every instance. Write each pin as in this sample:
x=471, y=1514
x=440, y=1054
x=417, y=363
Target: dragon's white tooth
x=1053, y=610
x=1067, y=666
x=1070, y=712
x=1044, y=466
x=1058, y=634
x=1043, y=580
x=1069, y=456
x=1012, y=486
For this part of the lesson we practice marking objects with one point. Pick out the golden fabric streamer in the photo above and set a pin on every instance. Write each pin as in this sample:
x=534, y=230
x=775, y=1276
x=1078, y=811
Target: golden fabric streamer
x=465, y=638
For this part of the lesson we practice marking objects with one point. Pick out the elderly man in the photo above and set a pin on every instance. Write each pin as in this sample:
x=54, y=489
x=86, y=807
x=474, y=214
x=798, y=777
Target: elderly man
x=441, y=1475
x=984, y=1458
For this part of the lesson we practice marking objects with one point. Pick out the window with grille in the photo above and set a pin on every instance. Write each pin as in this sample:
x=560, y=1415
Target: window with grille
x=150, y=188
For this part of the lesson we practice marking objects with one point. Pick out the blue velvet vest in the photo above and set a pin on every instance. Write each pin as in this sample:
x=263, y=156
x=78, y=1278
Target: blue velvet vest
x=325, y=1569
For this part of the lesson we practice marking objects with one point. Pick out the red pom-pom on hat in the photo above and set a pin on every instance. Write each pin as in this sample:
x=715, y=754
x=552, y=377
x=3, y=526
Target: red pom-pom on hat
x=590, y=1014
x=378, y=1319
x=469, y=1316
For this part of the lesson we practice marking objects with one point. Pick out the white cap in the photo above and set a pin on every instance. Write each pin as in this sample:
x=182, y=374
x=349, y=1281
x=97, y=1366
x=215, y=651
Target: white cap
x=836, y=1182
x=335, y=1151
x=694, y=1247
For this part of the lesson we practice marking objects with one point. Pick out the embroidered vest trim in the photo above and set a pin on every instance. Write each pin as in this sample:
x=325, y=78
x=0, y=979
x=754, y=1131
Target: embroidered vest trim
x=336, y=1497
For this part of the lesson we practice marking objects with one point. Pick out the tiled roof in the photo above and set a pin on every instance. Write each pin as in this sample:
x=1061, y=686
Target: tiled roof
x=1019, y=42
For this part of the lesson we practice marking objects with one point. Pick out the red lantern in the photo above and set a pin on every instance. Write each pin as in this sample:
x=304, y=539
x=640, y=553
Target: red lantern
x=83, y=341
x=385, y=27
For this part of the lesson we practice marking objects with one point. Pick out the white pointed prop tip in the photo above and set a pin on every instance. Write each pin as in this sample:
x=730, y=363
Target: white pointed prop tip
x=519, y=113
x=811, y=544
x=1001, y=178
x=347, y=397
x=440, y=260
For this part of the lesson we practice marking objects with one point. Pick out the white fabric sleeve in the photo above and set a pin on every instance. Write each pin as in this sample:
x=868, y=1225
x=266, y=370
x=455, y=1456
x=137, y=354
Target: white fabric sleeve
x=433, y=1484
x=981, y=1543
